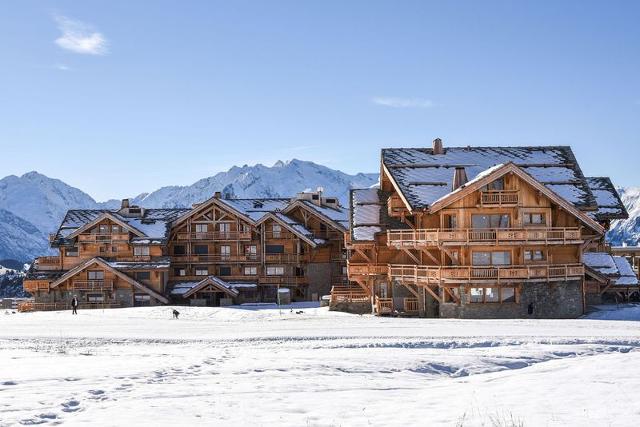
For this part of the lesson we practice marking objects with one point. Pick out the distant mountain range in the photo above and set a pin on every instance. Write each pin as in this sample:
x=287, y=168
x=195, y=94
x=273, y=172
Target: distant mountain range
x=32, y=205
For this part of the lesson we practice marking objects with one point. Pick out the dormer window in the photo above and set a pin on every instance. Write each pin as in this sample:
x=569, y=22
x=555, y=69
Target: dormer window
x=141, y=251
x=276, y=231
x=497, y=185
x=115, y=229
x=103, y=229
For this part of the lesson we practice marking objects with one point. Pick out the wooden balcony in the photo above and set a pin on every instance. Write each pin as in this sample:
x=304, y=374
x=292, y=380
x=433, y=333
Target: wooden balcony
x=215, y=235
x=487, y=237
x=214, y=258
x=35, y=286
x=418, y=274
x=48, y=263
x=348, y=294
x=411, y=306
x=383, y=306
x=103, y=238
x=282, y=280
x=52, y=306
x=92, y=285
x=499, y=198
x=356, y=269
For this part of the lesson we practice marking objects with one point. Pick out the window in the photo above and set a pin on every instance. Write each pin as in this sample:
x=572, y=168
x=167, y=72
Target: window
x=103, y=249
x=115, y=229
x=251, y=251
x=179, y=272
x=95, y=298
x=490, y=221
x=202, y=271
x=276, y=231
x=534, y=255
x=225, y=251
x=224, y=271
x=299, y=272
x=275, y=271
x=179, y=250
x=202, y=228
x=200, y=249
x=141, y=299
x=114, y=249
x=103, y=229
x=450, y=221
x=250, y=271
x=274, y=249
x=492, y=294
x=71, y=252
x=491, y=258
x=95, y=275
x=141, y=251
x=497, y=185
x=323, y=227
x=529, y=218
x=224, y=227
x=143, y=275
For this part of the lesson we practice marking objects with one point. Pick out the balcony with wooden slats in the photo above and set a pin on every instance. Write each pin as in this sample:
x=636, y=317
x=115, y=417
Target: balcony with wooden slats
x=48, y=263
x=501, y=198
x=362, y=269
x=214, y=235
x=92, y=285
x=418, y=274
x=486, y=237
x=103, y=238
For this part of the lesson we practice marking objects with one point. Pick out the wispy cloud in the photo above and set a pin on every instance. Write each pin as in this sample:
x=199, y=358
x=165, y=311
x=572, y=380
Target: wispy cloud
x=79, y=37
x=62, y=67
x=395, y=102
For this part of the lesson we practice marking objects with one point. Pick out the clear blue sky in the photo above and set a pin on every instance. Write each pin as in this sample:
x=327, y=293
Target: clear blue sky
x=120, y=97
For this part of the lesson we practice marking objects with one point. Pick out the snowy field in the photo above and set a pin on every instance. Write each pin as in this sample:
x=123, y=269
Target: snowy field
x=238, y=366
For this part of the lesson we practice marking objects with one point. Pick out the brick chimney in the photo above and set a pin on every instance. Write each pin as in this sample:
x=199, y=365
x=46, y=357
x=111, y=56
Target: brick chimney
x=437, y=146
x=459, y=178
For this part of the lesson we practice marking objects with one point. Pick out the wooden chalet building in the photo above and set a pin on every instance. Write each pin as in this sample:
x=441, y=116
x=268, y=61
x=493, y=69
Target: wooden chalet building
x=218, y=252
x=476, y=232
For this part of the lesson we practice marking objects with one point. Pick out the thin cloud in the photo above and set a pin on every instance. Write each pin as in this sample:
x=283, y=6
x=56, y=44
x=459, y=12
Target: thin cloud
x=395, y=102
x=62, y=67
x=79, y=37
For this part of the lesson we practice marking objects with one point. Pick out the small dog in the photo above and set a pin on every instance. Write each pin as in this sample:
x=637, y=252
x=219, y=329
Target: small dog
x=176, y=313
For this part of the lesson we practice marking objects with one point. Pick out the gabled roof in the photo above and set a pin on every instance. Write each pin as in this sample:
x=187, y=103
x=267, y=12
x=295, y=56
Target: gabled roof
x=186, y=289
x=423, y=177
x=154, y=224
x=495, y=172
x=338, y=217
x=250, y=210
x=607, y=198
x=615, y=268
x=106, y=265
x=293, y=226
x=365, y=209
x=102, y=217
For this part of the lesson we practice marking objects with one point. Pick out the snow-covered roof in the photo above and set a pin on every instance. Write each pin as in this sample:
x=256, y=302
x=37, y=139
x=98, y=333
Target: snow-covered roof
x=609, y=204
x=300, y=229
x=185, y=289
x=154, y=224
x=156, y=264
x=365, y=214
x=424, y=177
x=256, y=208
x=338, y=215
x=616, y=268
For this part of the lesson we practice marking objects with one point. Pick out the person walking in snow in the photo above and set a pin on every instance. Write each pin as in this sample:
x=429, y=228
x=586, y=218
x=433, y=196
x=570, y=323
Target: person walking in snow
x=74, y=305
x=176, y=313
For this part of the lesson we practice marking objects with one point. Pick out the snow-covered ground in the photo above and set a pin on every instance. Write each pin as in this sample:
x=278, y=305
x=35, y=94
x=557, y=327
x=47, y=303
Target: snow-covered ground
x=264, y=366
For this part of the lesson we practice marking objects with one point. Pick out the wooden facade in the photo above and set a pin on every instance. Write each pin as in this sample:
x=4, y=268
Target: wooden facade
x=136, y=256
x=500, y=245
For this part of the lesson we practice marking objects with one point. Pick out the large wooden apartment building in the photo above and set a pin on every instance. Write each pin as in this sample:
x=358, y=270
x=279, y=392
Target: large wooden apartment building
x=221, y=251
x=477, y=232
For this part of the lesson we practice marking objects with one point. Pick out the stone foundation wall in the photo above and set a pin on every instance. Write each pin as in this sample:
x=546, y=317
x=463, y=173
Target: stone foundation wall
x=555, y=300
x=352, y=307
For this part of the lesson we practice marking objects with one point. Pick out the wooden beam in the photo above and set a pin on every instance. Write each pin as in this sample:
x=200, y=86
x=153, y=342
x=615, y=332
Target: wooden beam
x=410, y=288
x=431, y=257
x=363, y=255
x=433, y=294
x=412, y=256
x=452, y=294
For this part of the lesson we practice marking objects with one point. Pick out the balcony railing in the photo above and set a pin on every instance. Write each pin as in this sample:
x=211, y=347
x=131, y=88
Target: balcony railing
x=282, y=280
x=489, y=236
x=499, y=198
x=348, y=294
x=461, y=274
x=33, y=286
x=103, y=237
x=215, y=258
x=354, y=269
x=216, y=235
x=47, y=263
x=384, y=306
x=92, y=285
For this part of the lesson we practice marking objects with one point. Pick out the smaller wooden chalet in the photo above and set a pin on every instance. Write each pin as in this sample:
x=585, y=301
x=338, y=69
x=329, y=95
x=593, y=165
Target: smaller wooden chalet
x=218, y=252
x=609, y=278
x=107, y=258
x=476, y=232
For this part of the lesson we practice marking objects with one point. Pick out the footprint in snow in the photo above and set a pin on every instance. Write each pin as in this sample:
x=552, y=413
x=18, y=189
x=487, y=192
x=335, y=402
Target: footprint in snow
x=71, y=406
x=9, y=383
